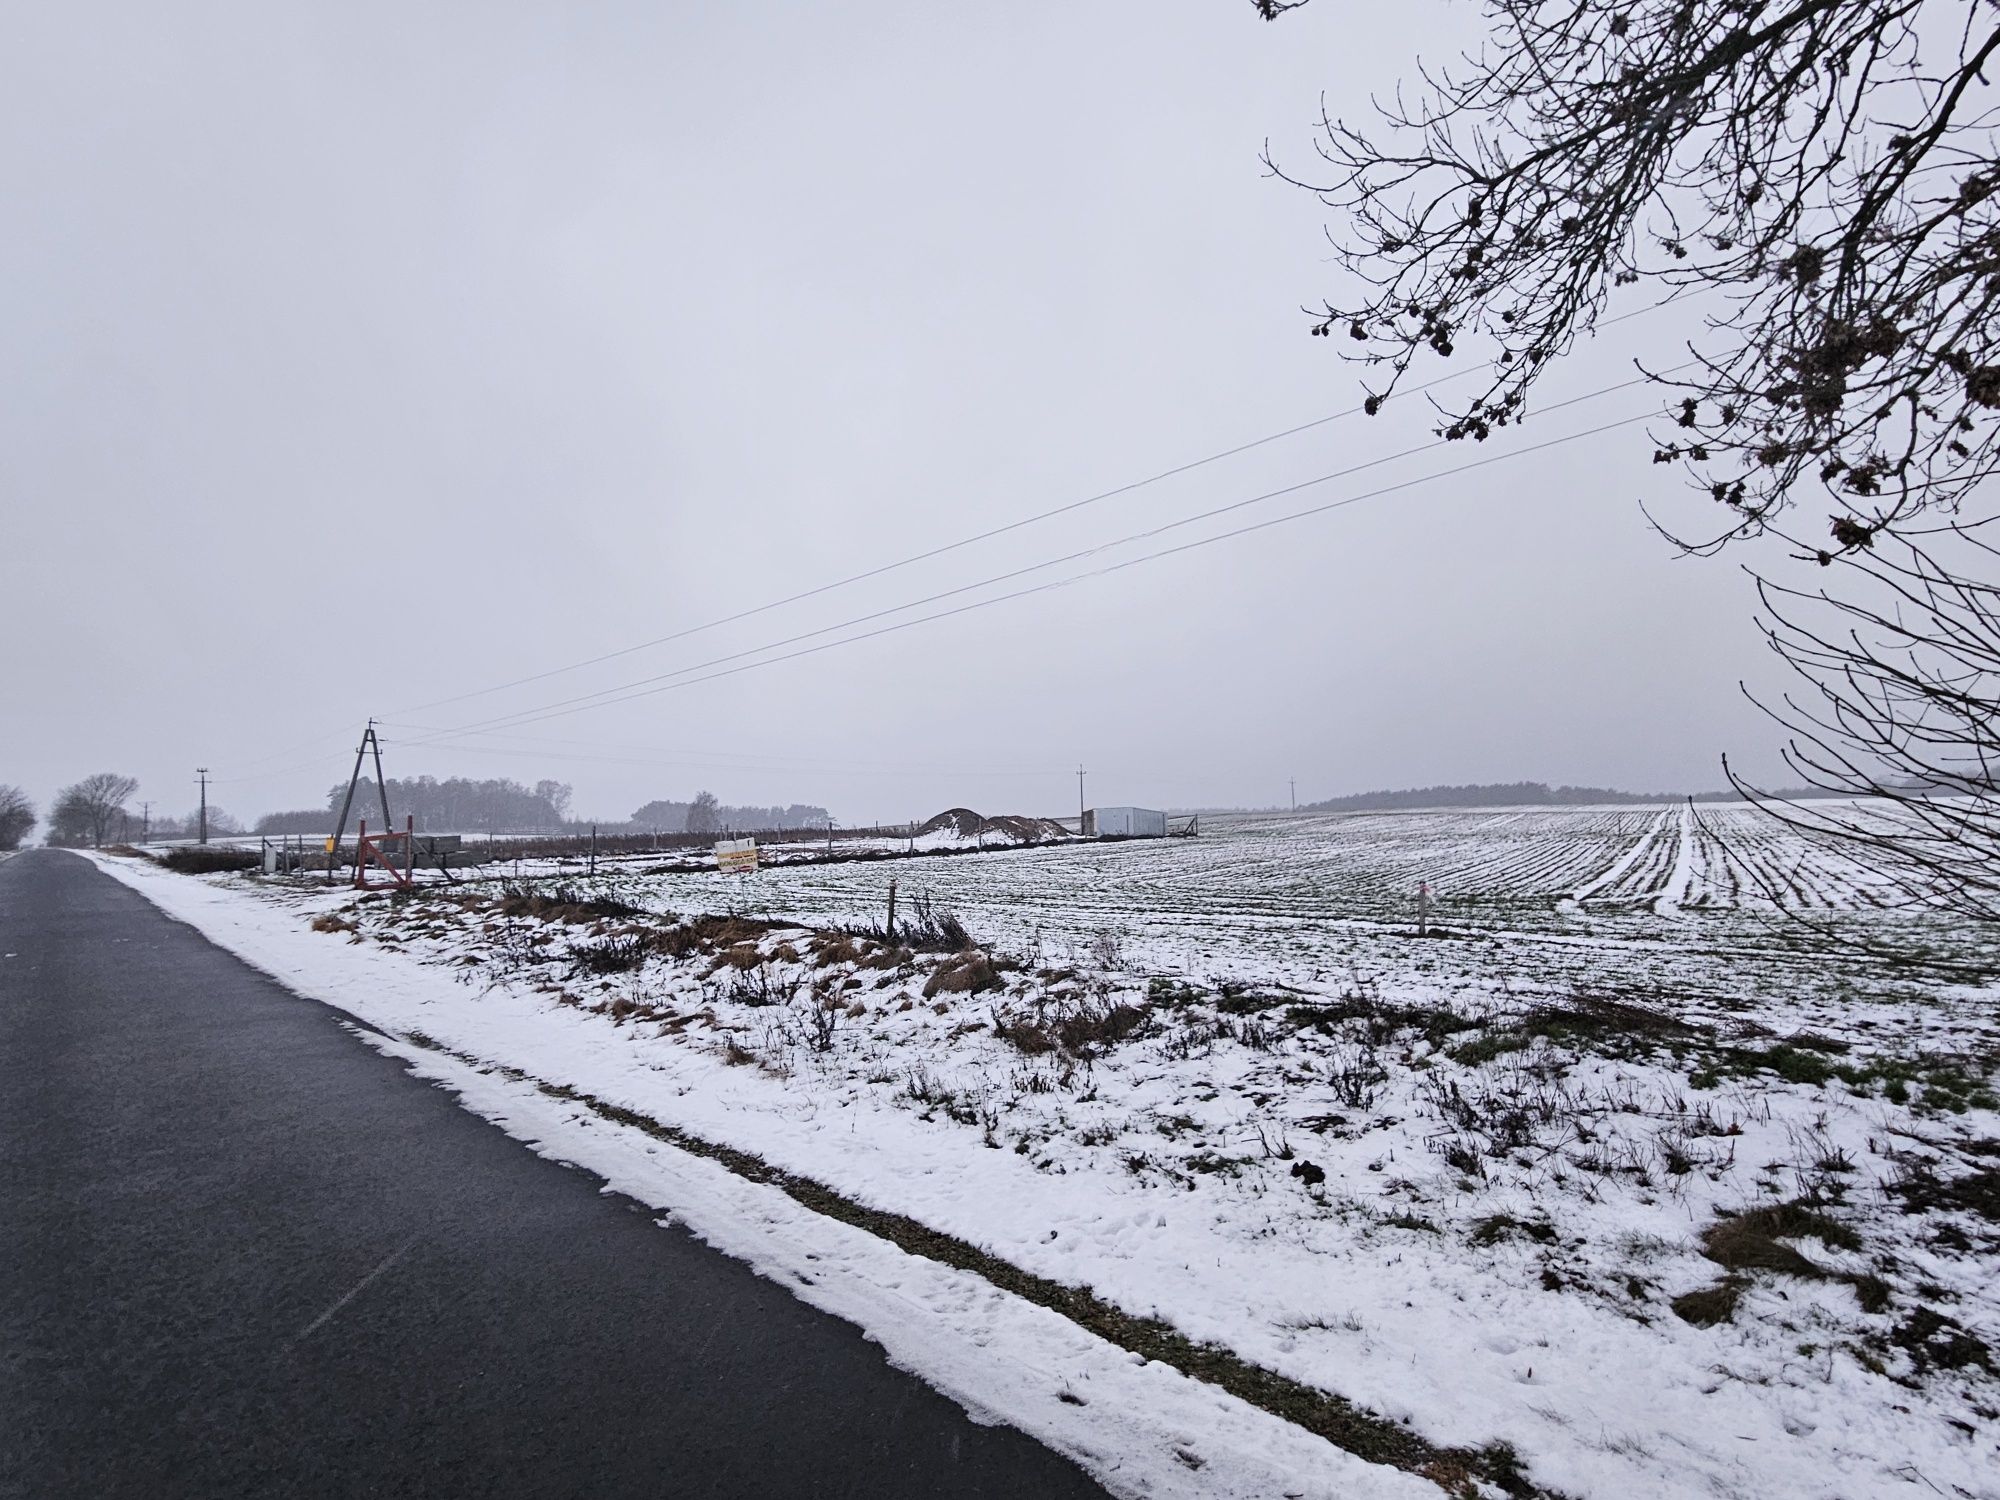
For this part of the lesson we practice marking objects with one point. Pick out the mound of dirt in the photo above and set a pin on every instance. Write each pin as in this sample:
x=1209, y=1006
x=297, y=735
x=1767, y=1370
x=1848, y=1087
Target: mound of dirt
x=1025, y=830
x=959, y=822
x=963, y=825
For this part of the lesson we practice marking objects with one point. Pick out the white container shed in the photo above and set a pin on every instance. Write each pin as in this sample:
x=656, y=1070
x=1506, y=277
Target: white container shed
x=1125, y=823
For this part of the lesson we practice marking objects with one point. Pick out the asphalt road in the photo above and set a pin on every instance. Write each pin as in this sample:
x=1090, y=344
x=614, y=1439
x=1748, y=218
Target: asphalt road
x=242, y=1253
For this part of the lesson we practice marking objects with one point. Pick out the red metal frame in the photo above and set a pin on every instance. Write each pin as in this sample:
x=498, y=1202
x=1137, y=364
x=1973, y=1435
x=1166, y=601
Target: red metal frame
x=371, y=848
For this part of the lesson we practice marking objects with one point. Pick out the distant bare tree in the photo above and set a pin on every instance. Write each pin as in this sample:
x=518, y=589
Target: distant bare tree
x=1831, y=169
x=703, y=816
x=87, y=809
x=69, y=820
x=219, y=822
x=557, y=794
x=17, y=816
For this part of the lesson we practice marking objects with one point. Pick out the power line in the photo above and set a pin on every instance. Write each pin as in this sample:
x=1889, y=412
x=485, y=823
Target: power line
x=340, y=732
x=612, y=694
x=646, y=755
x=719, y=760
x=977, y=537
x=666, y=758
x=915, y=558
x=560, y=711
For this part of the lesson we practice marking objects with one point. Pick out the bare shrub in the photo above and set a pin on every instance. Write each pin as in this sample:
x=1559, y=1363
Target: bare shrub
x=923, y=927
x=822, y=1022
x=1354, y=1075
x=611, y=956
x=560, y=903
x=1107, y=950
x=1093, y=1026
x=209, y=859
x=1081, y=1027
x=760, y=986
x=930, y=929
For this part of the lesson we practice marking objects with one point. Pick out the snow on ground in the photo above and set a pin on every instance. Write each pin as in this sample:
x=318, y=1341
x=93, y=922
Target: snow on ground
x=1622, y=1168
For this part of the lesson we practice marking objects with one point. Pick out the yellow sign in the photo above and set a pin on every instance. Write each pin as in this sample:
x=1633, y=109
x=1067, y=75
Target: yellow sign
x=329, y=846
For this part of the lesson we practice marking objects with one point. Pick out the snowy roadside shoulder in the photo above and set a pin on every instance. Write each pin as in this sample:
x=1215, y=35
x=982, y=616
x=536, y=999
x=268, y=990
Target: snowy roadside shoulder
x=1138, y=1426
x=1641, y=1253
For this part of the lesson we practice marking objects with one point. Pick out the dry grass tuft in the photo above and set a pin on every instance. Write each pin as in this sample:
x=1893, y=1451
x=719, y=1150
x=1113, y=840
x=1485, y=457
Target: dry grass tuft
x=1712, y=1305
x=1754, y=1240
x=967, y=973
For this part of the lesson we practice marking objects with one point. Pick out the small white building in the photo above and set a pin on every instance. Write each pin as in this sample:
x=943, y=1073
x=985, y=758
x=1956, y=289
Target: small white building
x=1124, y=823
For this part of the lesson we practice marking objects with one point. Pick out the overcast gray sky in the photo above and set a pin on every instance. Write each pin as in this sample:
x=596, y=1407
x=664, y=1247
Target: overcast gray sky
x=354, y=357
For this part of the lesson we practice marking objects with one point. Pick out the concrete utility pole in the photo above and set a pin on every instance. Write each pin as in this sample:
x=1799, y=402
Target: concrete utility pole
x=146, y=811
x=1079, y=799
x=1295, y=794
x=202, y=772
x=368, y=739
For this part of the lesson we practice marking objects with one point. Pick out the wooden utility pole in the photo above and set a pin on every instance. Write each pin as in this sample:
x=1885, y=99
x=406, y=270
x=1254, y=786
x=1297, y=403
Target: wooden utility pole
x=202, y=773
x=146, y=834
x=889, y=931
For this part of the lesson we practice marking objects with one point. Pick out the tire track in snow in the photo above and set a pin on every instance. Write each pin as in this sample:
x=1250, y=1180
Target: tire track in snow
x=1682, y=878
x=1612, y=876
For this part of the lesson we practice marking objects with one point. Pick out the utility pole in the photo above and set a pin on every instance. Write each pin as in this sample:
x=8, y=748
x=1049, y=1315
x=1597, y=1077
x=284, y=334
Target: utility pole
x=202, y=772
x=1295, y=794
x=1079, y=799
x=368, y=741
x=146, y=811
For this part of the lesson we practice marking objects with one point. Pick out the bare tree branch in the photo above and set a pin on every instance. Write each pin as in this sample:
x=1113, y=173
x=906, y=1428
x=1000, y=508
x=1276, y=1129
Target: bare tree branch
x=1829, y=171
x=1828, y=165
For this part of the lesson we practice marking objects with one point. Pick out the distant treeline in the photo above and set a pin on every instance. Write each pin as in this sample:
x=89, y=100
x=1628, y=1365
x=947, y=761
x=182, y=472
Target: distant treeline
x=706, y=815
x=456, y=804
x=462, y=805
x=1514, y=794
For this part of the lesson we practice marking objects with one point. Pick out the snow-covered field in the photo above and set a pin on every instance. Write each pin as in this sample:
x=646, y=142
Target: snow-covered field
x=1620, y=1166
